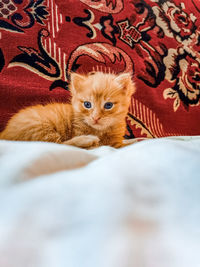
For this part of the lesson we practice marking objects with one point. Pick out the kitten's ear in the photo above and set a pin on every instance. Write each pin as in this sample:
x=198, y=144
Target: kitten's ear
x=75, y=81
x=126, y=82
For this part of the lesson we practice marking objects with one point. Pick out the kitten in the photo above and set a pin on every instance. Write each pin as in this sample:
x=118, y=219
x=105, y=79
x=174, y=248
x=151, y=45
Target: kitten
x=96, y=115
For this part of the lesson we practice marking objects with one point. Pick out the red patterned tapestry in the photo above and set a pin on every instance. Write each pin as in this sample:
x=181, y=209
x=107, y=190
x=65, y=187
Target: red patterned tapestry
x=42, y=41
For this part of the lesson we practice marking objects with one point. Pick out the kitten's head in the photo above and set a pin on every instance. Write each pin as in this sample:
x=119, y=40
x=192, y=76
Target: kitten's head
x=101, y=100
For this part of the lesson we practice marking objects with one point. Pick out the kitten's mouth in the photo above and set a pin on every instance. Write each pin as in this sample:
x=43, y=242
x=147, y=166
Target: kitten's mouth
x=96, y=125
x=100, y=126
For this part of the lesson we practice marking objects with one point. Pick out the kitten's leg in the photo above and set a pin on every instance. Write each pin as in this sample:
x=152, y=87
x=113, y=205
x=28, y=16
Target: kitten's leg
x=127, y=142
x=83, y=141
x=31, y=134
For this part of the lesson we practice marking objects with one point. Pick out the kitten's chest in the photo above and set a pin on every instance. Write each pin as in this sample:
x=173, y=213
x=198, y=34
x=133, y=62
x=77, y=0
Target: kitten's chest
x=83, y=129
x=110, y=137
x=105, y=137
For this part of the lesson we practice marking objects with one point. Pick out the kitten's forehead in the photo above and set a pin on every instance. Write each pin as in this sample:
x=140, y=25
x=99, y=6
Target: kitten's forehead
x=101, y=84
x=104, y=77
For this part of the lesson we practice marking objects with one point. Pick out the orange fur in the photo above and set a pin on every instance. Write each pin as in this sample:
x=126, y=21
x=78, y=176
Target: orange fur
x=73, y=123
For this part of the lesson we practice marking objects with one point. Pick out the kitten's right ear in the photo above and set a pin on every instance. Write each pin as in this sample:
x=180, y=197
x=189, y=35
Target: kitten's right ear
x=75, y=81
x=126, y=82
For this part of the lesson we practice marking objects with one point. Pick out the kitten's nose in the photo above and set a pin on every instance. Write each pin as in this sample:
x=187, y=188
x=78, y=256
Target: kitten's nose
x=96, y=119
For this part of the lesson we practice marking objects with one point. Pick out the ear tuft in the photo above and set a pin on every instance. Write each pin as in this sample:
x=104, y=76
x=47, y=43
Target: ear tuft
x=126, y=82
x=75, y=81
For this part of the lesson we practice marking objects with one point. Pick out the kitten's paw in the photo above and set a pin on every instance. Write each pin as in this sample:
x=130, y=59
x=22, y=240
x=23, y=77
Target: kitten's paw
x=84, y=141
x=133, y=141
x=87, y=141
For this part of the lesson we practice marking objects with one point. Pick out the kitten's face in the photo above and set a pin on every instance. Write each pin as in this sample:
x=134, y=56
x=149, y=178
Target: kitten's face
x=101, y=100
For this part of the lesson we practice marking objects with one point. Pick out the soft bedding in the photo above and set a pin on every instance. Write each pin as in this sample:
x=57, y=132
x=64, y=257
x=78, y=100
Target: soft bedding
x=133, y=207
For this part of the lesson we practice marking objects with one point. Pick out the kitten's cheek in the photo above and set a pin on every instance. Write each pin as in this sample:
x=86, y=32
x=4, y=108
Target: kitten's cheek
x=88, y=121
x=76, y=108
x=107, y=122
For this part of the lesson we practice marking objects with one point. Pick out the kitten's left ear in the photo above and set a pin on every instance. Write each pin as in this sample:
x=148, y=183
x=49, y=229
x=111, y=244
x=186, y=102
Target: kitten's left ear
x=75, y=81
x=126, y=82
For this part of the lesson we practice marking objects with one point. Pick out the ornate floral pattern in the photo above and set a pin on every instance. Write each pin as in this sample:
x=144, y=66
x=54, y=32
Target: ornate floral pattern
x=184, y=73
x=176, y=21
x=37, y=61
x=18, y=14
x=107, y=6
x=182, y=63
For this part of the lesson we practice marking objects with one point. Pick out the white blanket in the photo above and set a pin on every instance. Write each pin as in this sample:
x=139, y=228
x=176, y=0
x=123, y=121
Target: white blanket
x=138, y=206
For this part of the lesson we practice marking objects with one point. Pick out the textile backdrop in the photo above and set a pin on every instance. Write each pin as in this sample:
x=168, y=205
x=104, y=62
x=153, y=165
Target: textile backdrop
x=157, y=40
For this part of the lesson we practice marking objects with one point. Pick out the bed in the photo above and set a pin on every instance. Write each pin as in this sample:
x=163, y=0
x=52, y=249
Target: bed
x=134, y=206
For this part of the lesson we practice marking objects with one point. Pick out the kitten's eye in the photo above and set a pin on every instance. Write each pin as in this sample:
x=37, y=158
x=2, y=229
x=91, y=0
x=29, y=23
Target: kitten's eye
x=87, y=104
x=108, y=105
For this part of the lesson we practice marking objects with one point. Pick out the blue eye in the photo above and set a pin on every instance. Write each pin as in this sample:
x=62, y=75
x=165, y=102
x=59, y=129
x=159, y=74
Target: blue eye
x=108, y=105
x=87, y=104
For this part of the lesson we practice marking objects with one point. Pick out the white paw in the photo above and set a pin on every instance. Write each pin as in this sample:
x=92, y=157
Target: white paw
x=84, y=141
x=134, y=140
x=87, y=141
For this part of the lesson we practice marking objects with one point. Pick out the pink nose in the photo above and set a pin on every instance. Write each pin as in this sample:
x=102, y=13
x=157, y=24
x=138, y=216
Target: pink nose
x=96, y=119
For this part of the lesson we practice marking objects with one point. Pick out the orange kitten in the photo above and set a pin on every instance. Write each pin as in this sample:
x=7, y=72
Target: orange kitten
x=95, y=117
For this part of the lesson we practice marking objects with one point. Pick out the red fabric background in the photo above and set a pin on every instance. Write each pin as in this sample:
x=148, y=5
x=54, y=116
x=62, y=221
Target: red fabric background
x=158, y=41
